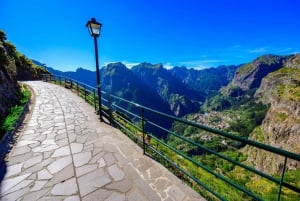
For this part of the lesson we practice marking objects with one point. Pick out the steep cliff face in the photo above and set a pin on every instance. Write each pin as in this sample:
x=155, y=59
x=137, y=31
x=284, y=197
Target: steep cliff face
x=249, y=76
x=281, y=126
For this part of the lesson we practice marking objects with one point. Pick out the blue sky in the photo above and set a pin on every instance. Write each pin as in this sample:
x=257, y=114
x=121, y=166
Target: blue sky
x=193, y=33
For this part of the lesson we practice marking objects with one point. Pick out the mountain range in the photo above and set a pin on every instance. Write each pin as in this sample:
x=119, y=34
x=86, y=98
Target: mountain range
x=262, y=95
x=177, y=91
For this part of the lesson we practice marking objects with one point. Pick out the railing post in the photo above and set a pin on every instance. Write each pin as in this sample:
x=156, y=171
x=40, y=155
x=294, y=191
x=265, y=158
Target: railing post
x=84, y=92
x=143, y=129
x=95, y=100
x=110, y=108
x=71, y=85
x=77, y=88
x=282, y=177
x=65, y=82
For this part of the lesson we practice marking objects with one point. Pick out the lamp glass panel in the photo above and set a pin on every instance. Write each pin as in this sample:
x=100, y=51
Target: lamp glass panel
x=94, y=29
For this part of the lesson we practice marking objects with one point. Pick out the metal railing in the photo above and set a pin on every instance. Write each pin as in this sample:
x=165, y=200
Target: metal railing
x=147, y=128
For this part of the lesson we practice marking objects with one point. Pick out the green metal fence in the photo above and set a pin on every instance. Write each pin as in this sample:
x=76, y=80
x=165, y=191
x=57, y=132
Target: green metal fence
x=242, y=182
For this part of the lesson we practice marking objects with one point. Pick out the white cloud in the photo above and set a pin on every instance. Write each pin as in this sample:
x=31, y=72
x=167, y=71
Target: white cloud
x=201, y=64
x=259, y=50
x=285, y=50
x=129, y=64
x=168, y=65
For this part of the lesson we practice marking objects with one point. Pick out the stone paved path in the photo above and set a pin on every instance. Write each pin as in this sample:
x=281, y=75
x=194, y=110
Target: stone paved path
x=65, y=153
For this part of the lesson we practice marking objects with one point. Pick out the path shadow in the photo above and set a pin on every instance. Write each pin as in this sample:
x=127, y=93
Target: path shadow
x=3, y=166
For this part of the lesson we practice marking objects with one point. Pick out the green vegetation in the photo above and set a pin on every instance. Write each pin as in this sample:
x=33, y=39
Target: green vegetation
x=257, y=135
x=244, y=117
x=292, y=177
x=215, y=162
x=290, y=89
x=250, y=115
x=269, y=191
x=281, y=116
x=199, y=173
x=218, y=102
x=245, y=68
x=9, y=122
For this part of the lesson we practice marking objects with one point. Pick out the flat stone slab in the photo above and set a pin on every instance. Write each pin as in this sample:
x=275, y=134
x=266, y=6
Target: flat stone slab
x=65, y=153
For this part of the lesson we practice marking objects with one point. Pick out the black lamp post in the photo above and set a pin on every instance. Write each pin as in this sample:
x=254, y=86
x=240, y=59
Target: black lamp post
x=94, y=28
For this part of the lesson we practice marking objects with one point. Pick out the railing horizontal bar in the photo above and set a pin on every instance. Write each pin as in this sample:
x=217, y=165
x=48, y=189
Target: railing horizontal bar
x=105, y=113
x=75, y=81
x=188, y=174
x=207, y=169
x=105, y=100
x=127, y=121
x=126, y=111
x=219, y=155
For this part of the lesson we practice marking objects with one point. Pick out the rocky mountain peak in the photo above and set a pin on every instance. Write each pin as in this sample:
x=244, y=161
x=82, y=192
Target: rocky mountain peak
x=250, y=75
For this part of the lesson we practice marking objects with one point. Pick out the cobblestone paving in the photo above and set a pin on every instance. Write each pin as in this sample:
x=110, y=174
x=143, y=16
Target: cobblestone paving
x=65, y=153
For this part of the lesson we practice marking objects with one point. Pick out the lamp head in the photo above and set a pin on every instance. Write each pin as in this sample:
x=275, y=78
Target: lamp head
x=94, y=27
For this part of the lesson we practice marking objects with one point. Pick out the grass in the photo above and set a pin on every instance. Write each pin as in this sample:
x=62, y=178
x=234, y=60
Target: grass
x=15, y=112
x=11, y=119
x=258, y=135
x=281, y=116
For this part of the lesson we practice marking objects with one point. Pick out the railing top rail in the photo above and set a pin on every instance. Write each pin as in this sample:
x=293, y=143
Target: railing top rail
x=76, y=81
